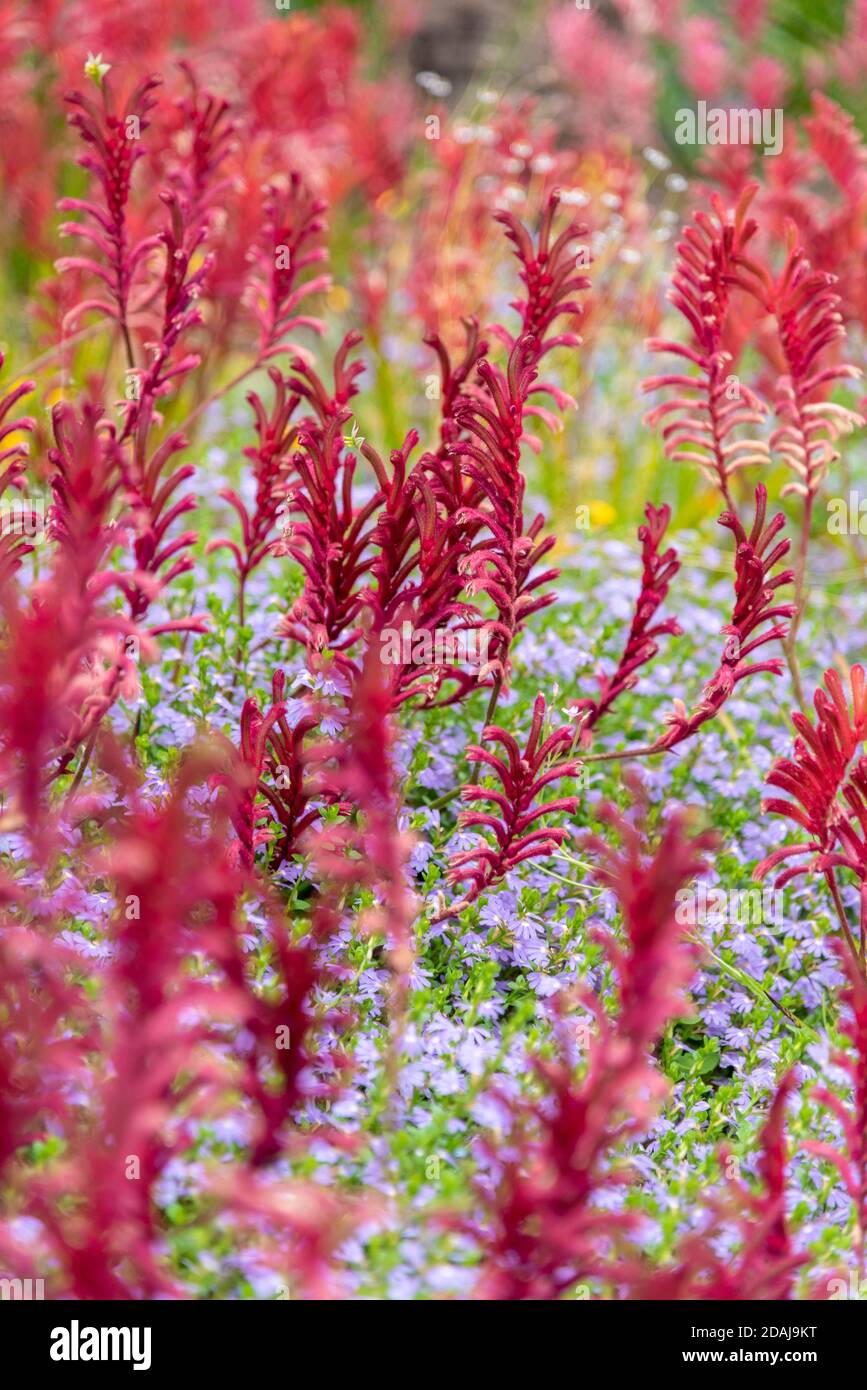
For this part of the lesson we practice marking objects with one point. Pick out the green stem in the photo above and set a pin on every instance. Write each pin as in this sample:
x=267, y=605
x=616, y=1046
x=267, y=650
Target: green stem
x=742, y=978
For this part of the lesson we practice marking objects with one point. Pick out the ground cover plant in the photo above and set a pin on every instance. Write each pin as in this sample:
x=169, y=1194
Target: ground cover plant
x=433, y=837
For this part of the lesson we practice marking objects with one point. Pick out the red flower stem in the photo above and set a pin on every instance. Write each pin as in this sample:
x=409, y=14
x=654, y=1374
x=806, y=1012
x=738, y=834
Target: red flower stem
x=127, y=342
x=641, y=752
x=495, y=695
x=718, y=436
x=444, y=799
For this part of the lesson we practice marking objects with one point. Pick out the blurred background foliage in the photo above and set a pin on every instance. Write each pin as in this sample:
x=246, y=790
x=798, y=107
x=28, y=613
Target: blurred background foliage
x=413, y=244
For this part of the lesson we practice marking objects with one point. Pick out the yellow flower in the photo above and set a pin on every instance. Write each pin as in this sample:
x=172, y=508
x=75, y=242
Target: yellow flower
x=338, y=299
x=601, y=513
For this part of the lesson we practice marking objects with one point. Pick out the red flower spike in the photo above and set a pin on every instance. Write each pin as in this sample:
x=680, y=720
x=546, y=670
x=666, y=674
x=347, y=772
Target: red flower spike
x=501, y=566
x=279, y=481
x=703, y=419
x=272, y=472
x=829, y=801
x=755, y=605
x=807, y=311
x=287, y=248
x=148, y=492
x=269, y=745
x=476, y=476
x=517, y=834
x=332, y=542
x=815, y=775
x=641, y=647
x=87, y=479
x=181, y=237
x=151, y=513
x=212, y=134
x=548, y=271
x=454, y=378
x=115, y=140
x=419, y=625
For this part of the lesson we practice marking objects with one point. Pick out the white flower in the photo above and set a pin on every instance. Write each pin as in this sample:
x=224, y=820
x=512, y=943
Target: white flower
x=95, y=68
x=656, y=158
